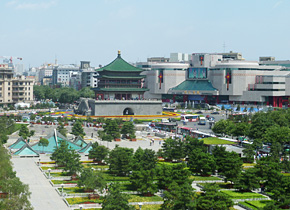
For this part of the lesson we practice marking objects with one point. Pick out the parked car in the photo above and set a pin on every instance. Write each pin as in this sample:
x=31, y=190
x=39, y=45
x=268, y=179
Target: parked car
x=215, y=113
x=172, y=119
x=199, y=112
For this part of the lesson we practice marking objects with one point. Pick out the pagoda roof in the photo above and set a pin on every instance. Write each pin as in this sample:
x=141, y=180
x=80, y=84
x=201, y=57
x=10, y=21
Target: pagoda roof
x=26, y=150
x=122, y=89
x=119, y=64
x=18, y=144
x=79, y=141
x=54, y=139
x=86, y=148
x=123, y=77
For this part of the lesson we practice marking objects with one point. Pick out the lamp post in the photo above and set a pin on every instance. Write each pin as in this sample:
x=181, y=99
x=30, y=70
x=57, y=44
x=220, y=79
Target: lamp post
x=39, y=162
x=61, y=189
x=49, y=173
x=140, y=205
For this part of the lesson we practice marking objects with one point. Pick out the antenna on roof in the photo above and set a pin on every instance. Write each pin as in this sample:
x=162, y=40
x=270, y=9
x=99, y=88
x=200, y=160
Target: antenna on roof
x=224, y=46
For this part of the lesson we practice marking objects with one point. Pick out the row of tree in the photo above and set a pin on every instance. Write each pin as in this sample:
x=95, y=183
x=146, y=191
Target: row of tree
x=14, y=194
x=61, y=95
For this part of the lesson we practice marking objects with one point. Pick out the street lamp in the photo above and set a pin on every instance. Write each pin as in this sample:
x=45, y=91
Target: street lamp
x=81, y=207
x=49, y=173
x=39, y=162
x=140, y=205
x=61, y=189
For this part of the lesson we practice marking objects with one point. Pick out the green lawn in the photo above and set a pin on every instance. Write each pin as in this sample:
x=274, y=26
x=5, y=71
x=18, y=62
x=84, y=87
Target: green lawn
x=72, y=190
x=241, y=195
x=64, y=181
x=16, y=127
x=112, y=177
x=215, y=140
x=255, y=205
x=204, y=178
x=140, y=198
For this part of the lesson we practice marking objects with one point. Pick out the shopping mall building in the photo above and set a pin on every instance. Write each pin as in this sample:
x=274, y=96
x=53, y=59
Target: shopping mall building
x=215, y=80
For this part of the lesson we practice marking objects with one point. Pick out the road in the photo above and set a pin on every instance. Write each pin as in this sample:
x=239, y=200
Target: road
x=43, y=195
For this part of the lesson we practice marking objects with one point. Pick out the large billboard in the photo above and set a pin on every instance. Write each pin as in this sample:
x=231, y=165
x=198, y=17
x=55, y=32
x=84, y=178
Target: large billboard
x=197, y=73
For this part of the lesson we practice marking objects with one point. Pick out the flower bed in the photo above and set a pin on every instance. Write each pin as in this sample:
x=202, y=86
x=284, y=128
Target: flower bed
x=241, y=195
x=148, y=207
x=80, y=200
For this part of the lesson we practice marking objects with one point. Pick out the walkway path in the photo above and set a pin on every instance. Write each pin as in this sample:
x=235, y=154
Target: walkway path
x=43, y=195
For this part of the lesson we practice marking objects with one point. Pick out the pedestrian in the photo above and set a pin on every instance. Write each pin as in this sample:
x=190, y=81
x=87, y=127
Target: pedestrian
x=160, y=142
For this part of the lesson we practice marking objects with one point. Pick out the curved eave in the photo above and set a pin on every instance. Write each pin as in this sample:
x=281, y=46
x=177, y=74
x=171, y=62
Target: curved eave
x=117, y=77
x=121, y=89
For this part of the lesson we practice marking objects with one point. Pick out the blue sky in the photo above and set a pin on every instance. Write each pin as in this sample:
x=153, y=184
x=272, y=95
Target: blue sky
x=94, y=30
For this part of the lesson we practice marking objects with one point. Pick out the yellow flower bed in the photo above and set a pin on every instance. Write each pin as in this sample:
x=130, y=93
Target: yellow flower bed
x=148, y=207
x=165, y=114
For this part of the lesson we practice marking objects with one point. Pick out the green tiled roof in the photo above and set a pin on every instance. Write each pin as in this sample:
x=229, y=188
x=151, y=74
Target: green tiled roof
x=124, y=77
x=26, y=150
x=54, y=141
x=18, y=144
x=122, y=89
x=119, y=64
x=195, y=85
x=80, y=142
x=86, y=149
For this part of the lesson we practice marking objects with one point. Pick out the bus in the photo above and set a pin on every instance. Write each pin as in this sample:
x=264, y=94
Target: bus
x=170, y=127
x=189, y=118
x=202, y=121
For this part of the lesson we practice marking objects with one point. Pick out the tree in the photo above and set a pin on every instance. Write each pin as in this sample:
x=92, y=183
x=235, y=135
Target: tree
x=249, y=152
x=111, y=128
x=98, y=153
x=78, y=130
x=211, y=198
x=240, y=129
x=221, y=127
x=128, y=128
x=143, y=180
x=61, y=129
x=248, y=180
x=120, y=160
x=192, y=144
x=144, y=159
x=167, y=174
x=73, y=164
x=60, y=154
x=91, y=180
x=179, y=197
x=173, y=149
x=17, y=193
x=64, y=156
x=24, y=131
x=201, y=162
x=43, y=142
x=115, y=199
x=229, y=164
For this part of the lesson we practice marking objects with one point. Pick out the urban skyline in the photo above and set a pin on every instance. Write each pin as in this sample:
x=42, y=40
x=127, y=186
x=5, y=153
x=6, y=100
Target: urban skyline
x=40, y=31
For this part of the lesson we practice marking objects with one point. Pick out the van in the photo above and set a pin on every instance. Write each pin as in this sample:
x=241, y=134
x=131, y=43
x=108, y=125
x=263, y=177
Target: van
x=164, y=120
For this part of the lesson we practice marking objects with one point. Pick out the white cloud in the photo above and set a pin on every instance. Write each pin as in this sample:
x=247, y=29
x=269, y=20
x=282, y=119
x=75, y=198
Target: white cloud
x=31, y=5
